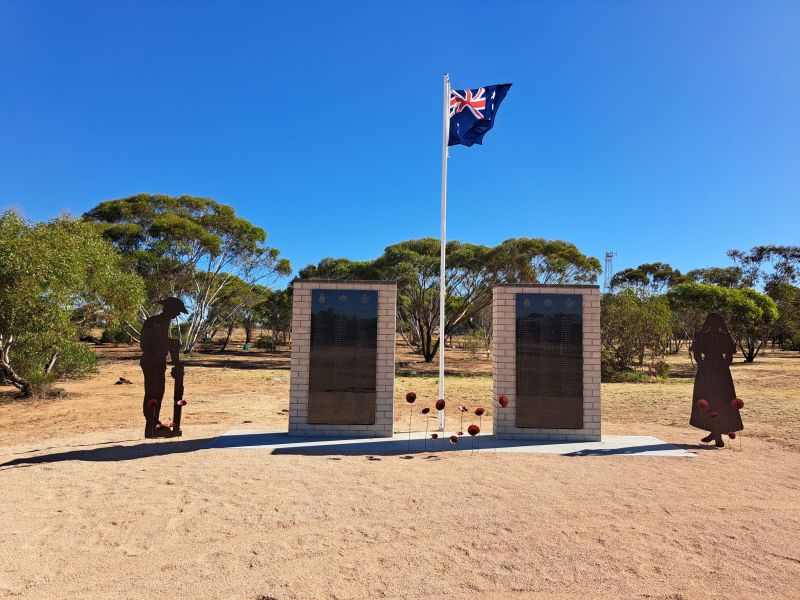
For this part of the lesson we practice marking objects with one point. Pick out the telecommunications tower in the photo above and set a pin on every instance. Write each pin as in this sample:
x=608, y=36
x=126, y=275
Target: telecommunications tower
x=608, y=272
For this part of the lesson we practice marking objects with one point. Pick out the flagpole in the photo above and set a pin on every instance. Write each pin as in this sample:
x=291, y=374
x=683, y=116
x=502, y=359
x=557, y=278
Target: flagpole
x=443, y=242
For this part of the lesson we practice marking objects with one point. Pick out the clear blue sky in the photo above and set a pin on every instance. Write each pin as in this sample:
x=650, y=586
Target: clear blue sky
x=664, y=130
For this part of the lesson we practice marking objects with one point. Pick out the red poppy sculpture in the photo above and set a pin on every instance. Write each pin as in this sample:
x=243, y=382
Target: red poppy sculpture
x=454, y=439
x=737, y=403
x=473, y=430
x=702, y=404
x=440, y=404
x=732, y=435
x=503, y=401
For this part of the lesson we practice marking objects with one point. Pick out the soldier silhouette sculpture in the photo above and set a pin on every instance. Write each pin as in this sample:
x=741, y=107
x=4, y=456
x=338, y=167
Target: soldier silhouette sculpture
x=156, y=345
x=715, y=407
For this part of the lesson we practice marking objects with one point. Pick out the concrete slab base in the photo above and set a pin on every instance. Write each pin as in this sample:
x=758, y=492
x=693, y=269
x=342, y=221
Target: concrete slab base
x=279, y=442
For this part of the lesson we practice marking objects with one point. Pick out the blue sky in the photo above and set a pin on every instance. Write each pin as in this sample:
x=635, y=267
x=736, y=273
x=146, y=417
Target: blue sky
x=663, y=130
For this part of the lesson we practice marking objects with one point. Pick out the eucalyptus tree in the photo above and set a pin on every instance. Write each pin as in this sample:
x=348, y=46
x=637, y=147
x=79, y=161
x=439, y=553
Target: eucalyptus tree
x=767, y=264
x=730, y=277
x=188, y=247
x=56, y=277
x=750, y=315
x=647, y=279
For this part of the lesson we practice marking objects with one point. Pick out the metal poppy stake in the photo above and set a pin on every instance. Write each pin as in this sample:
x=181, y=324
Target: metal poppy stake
x=411, y=397
x=440, y=404
x=702, y=404
x=462, y=409
x=479, y=413
x=425, y=412
x=473, y=430
x=154, y=405
x=738, y=404
x=502, y=402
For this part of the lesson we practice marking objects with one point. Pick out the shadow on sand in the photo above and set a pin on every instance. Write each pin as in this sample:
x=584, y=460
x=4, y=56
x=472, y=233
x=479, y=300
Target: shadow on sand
x=282, y=443
x=278, y=443
x=114, y=453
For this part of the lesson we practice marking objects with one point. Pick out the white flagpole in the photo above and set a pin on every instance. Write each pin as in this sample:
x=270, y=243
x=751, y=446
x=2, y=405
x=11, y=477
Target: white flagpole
x=442, y=283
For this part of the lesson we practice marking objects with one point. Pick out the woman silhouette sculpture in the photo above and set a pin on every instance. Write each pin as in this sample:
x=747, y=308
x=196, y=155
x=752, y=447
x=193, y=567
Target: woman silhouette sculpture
x=713, y=349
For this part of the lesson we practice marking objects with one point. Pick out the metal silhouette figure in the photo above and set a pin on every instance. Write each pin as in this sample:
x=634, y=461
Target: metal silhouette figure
x=713, y=401
x=156, y=345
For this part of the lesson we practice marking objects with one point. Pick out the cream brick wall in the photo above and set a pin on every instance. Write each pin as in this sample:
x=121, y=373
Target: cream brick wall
x=504, y=368
x=301, y=347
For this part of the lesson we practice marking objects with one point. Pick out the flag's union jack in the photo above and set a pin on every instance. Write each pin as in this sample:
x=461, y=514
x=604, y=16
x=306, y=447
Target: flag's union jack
x=472, y=113
x=475, y=104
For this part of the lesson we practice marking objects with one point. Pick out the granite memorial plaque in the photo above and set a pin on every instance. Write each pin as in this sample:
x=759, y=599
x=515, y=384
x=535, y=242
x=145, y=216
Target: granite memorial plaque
x=549, y=356
x=343, y=357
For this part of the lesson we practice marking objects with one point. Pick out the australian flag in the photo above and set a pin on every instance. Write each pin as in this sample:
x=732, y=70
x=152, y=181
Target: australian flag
x=472, y=113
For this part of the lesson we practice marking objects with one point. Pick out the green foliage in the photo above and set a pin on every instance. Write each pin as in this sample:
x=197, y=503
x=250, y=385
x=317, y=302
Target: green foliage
x=193, y=248
x=266, y=342
x=632, y=328
x=787, y=328
x=750, y=315
x=115, y=334
x=784, y=263
x=534, y=260
x=56, y=277
x=341, y=269
x=731, y=277
x=647, y=279
x=274, y=312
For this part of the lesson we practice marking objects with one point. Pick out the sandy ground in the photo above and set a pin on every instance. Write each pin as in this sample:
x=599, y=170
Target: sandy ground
x=90, y=510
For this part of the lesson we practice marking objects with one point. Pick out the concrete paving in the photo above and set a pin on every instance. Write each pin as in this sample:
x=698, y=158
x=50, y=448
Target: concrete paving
x=279, y=442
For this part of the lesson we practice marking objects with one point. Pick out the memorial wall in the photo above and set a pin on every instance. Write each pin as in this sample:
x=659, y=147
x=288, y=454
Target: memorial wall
x=547, y=362
x=343, y=348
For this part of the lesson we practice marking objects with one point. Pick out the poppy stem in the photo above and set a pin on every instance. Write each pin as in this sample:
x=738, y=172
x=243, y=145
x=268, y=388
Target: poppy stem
x=410, y=415
x=425, y=443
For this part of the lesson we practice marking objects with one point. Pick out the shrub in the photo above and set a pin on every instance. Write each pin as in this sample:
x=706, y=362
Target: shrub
x=114, y=335
x=660, y=369
x=266, y=342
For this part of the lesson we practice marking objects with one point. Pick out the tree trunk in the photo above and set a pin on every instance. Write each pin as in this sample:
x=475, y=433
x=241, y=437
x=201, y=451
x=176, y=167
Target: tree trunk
x=227, y=338
x=51, y=363
x=248, y=332
x=16, y=380
x=750, y=349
